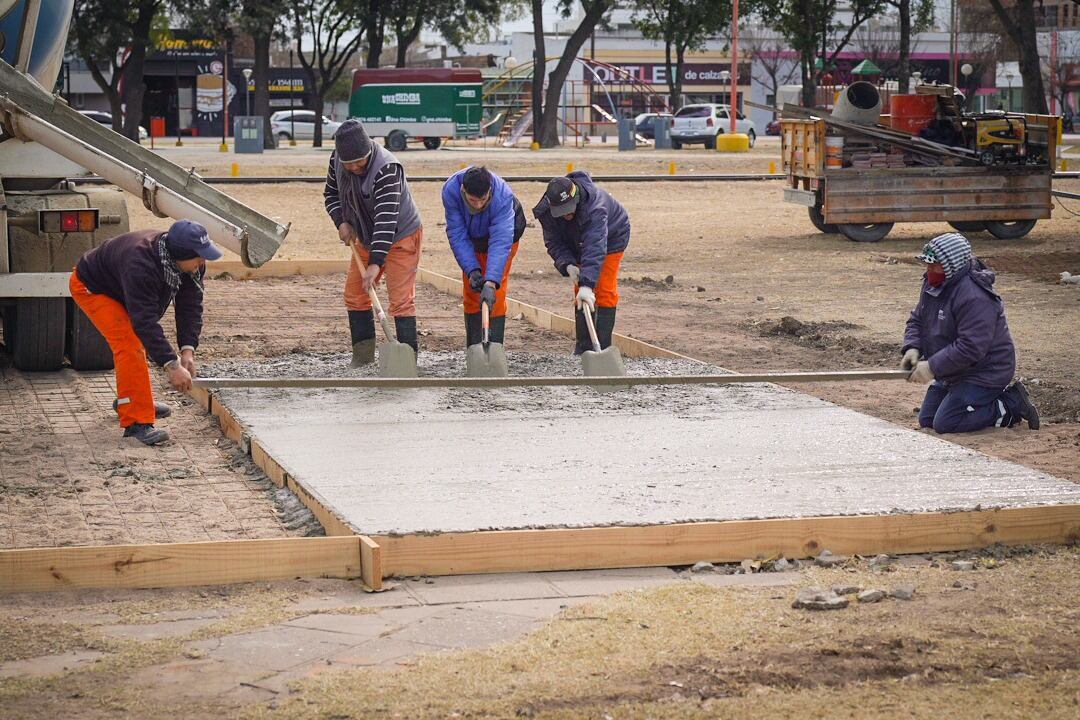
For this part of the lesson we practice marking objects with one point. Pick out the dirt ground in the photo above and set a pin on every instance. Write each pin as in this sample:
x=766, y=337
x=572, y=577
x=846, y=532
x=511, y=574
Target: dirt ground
x=752, y=286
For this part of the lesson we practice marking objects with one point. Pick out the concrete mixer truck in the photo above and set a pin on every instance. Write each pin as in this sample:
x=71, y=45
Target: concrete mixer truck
x=48, y=220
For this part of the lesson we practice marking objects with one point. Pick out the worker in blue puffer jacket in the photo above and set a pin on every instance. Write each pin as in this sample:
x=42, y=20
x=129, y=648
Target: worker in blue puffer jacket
x=484, y=222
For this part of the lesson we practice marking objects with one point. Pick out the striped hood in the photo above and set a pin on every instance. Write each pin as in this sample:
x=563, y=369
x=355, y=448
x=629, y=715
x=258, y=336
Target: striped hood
x=952, y=250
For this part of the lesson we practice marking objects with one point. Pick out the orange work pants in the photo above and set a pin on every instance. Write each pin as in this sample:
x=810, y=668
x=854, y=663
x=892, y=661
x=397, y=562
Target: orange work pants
x=400, y=271
x=135, y=398
x=607, y=286
x=472, y=299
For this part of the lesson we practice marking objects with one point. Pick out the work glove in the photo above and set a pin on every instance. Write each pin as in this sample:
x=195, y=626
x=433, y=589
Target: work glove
x=911, y=359
x=476, y=280
x=487, y=295
x=573, y=272
x=922, y=374
x=585, y=298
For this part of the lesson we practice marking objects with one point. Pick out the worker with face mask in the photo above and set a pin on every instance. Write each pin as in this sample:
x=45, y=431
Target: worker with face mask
x=958, y=340
x=484, y=222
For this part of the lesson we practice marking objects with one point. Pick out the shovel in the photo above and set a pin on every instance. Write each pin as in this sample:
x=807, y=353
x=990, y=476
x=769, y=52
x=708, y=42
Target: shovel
x=485, y=359
x=396, y=359
x=597, y=362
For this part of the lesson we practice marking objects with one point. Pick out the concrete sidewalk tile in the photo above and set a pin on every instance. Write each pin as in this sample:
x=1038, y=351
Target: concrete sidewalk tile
x=195, y=679
x=756, y=580
x=156, y=631
x=275, y=648
x=46, y=665
x=477, y=588
x=353, y=628
x=604, y=582
x=540, y=609
x=356, y=598
x=457, y=628
x=380, y=651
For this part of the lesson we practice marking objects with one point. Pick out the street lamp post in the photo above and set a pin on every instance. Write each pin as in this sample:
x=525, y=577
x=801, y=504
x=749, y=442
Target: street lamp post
x=292, y=85
x=734, y=62
x=1008, y=97
x=247, y=90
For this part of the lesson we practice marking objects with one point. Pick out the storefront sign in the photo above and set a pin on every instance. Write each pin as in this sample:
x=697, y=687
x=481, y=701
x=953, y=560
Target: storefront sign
x=658, y=73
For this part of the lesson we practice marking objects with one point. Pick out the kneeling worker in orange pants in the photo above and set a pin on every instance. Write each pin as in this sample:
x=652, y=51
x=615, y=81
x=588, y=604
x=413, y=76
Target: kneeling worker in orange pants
x=124, y=286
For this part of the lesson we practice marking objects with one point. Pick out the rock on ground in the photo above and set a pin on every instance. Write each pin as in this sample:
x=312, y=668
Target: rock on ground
x=818, y=599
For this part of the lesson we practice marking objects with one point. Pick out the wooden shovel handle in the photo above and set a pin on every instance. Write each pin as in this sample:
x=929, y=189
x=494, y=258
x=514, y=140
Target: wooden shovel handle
x=592, y=328
x=372, y=294
x=485, y=320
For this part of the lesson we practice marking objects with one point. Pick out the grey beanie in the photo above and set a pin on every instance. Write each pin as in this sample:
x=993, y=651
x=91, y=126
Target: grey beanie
x=352, y=141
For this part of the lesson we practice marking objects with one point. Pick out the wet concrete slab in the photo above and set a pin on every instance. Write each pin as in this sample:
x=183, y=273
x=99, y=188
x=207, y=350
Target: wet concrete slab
x=413, y=461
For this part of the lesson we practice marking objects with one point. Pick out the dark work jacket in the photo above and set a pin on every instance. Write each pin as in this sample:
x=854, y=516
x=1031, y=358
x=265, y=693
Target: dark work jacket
x=961, y=329
x=128, y=269
x=600, y=227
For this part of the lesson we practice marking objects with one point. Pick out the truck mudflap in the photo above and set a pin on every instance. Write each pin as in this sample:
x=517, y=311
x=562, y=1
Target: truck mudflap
x=31, y=114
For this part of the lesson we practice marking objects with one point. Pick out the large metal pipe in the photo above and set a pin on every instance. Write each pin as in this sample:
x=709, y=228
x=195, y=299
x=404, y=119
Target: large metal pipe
x=159, y=199
x=859, y=103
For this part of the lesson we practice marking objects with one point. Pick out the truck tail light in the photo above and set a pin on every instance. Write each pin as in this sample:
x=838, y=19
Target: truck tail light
x=68, y=221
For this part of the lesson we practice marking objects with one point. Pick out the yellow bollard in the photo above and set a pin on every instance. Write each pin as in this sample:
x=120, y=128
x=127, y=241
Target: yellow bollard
x=772, y=167
x=569, y=168
x=535, y=146
x=236, y=169
x=671, y=168
x=1064, y=165
x=223, y=148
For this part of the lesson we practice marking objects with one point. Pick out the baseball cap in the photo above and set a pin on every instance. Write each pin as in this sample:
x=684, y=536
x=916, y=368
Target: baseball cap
x=187, y=240
x=562, y=196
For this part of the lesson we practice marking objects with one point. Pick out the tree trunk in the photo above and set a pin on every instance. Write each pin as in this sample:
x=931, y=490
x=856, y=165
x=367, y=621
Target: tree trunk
x=319, y=104
x=405, y=40
x=809, y=82
x=539, y=67
x=375, y=29
x=134, y=89
x=673, y=85
x=262, y=85
x=116, y=107
x=1020, y=28
x=680, y=60
x=549, y=127
x=903, y=67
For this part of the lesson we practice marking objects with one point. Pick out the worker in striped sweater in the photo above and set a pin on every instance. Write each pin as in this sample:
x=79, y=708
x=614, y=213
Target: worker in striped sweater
x=368, y=198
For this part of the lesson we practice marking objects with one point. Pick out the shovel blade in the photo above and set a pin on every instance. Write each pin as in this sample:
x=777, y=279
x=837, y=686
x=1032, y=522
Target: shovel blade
x=486, y=363
x=606, y=363
x=397, y=360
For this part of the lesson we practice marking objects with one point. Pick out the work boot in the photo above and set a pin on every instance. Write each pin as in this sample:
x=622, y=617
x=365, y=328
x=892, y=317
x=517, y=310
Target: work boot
x=496, y=329
x=362, y=330
x=146, y=434
x=161, y=410
x=1026, y=409
x=406, y=332
x=474, y=329
x=605, y=326
x=581, y=332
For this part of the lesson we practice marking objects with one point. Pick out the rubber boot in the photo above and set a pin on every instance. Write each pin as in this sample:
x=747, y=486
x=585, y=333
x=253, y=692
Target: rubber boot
x=605, y=326
x=581, y=332
x=474, y=329
x=406, y=332
x=496, y=329
x=146, y=434
x=362, y=329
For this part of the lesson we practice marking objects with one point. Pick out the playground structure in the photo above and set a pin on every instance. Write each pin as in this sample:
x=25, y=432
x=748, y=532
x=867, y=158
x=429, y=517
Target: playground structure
x=588, y=107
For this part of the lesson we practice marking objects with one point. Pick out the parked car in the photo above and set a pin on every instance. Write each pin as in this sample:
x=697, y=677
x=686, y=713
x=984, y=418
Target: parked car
x=106, y=119
x=284, y=122
x=702, y=123
x=773, y=128
x=643, y=124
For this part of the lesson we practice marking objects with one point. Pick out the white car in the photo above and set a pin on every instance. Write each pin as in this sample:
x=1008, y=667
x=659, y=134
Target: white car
x=702, y=123
x=285, y=122
x=106, y=119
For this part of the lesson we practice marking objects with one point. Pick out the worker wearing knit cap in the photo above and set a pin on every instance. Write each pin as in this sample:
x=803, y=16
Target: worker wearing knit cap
x=368, y=198
x=958, y=340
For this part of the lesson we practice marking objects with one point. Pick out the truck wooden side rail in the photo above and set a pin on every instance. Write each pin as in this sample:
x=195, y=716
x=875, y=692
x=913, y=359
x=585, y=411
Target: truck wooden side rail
x=863, y=203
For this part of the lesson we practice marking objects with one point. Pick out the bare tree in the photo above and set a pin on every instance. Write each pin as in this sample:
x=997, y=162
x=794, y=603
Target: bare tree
x=1056, y=67
x=1018, y=22
x=907, y=26
x=769, y=67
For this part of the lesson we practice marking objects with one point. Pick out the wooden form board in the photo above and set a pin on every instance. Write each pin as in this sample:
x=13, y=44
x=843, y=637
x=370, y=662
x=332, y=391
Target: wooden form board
x=685, y=544
x=178, y=564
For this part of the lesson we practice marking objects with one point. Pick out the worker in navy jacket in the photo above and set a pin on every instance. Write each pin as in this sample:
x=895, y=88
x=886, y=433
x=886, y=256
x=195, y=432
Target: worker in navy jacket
x=586, y=231
x=957, y=338
x=484, y=222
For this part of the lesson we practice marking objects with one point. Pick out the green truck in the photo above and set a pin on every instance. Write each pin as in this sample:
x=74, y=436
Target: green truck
x=426, y=104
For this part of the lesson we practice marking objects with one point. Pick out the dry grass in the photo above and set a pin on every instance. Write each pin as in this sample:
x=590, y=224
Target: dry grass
x=1009, y=647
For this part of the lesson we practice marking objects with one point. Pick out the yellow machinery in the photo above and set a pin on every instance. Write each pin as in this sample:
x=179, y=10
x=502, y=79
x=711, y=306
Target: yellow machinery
x=1000, y=138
